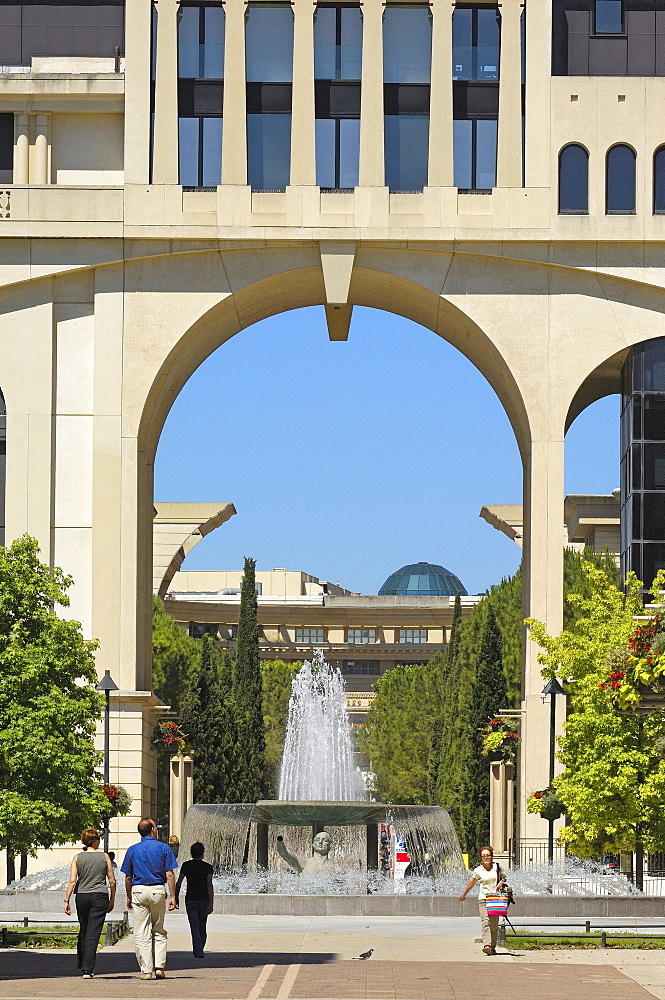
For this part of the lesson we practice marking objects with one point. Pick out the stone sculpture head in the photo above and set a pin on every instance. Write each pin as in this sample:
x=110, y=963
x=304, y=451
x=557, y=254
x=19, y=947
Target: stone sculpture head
x=322, y=843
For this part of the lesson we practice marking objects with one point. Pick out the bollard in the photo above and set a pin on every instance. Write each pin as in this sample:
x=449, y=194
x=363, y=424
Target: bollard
x=3, y=937
x=26, y=922
x=603, y=939
x=502, y=933
x=109, y=934
x=587, y=927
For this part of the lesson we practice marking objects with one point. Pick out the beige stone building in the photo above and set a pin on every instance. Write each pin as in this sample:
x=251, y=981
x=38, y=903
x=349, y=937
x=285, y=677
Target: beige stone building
x=172, y=172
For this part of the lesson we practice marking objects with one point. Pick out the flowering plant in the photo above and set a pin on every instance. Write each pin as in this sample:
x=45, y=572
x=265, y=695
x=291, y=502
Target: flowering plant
x=500, y=739
x=638, y=672
x=546, y=802
x=169, y=736
x=116, y=800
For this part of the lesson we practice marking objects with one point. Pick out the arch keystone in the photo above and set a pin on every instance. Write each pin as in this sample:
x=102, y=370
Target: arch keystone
x=337, y=259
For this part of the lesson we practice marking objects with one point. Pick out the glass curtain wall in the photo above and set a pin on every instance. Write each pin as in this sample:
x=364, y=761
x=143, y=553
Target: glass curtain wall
x=476, y=52
x=643, y=461
x=337, y=73
x=269, y=69
x=200, y=93
x=407, y=58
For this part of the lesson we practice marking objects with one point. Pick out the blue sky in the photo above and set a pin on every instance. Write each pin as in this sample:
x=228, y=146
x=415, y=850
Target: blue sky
x=348, y=460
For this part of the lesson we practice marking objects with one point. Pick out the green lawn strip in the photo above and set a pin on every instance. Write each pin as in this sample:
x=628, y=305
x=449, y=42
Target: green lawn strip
x=43, y=937
x=554, y=942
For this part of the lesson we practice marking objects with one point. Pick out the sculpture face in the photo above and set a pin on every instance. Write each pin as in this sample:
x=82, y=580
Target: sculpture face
x=322, y=843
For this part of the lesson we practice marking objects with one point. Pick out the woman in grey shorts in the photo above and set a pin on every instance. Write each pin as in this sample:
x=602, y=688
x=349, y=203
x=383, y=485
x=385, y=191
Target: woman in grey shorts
x=90, y=878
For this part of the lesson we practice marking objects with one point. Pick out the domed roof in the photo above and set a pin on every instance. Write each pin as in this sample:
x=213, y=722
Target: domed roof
x=422, y=579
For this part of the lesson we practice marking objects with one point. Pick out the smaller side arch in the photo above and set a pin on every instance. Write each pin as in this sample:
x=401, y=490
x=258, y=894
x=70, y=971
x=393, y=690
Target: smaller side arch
x=620, y=178
x=574, y=180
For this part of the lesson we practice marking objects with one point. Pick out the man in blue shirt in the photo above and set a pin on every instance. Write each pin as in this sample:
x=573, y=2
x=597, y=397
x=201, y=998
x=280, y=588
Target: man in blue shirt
x=148, y=868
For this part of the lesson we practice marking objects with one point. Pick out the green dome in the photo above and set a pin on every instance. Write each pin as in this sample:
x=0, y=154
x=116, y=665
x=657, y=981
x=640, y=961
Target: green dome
x=422, y=579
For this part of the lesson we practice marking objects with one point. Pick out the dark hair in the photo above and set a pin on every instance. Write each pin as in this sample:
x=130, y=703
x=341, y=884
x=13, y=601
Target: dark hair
x=89, y=836
x=487, y=848
x=145, y=826
x=197, y=849
x=112, y=855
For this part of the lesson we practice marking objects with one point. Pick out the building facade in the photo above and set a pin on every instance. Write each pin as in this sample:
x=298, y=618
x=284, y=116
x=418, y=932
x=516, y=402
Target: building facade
x=172, y=172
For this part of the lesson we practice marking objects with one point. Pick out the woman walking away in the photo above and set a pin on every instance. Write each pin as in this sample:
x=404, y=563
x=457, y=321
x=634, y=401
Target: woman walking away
x=90, y=872
x=199, y=898
x=492, y=879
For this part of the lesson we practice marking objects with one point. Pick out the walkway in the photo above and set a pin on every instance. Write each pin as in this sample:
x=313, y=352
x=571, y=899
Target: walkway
x=251, y=958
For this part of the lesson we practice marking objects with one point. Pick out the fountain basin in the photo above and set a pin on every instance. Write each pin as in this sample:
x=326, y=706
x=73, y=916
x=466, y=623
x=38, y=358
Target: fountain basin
x=276, y=813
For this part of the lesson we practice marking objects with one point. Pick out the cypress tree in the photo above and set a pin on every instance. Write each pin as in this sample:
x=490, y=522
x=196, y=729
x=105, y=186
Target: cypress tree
x=440, y=783
x=247, y=693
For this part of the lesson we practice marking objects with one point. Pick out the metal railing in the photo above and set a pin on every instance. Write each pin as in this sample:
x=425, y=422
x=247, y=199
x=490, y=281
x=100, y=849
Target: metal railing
x=114, y=930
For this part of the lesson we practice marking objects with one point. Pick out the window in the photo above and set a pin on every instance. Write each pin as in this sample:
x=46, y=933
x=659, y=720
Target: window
x=6, y=148
x=415, y=635
x=309, y=635
x=659, y=181
x=620, y=181
x=200, y=93
x=407, y=56
x=361, y=667
x=361, y=635
x=608, y=17
x=474, y=154
x=198, y=629
x=476, y=37
x=269, y=69
x=573, y=181
x=337, y=72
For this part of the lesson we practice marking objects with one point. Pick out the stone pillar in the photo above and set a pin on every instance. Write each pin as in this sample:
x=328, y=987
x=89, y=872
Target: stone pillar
x=41, y=161
x=262, y=846
x=509, y=144
x=234, y=140
x=502, y=774
x=21, y=149
x=372, y=847
x=165, y=132
x=182, y=773
x=440, y=168
x=138, y=20
x=537, y=93
x=372, y=158
x=543, y=600
x=303, y=149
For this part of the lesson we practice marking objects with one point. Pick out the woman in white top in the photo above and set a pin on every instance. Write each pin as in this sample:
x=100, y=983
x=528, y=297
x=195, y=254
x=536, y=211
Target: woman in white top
x=492, y=879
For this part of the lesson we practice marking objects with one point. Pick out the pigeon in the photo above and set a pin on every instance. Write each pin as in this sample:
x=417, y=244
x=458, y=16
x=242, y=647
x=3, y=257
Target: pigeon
x=363, y=955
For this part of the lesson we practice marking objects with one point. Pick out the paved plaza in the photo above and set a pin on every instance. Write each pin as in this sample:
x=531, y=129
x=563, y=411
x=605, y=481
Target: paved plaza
x=310, y=958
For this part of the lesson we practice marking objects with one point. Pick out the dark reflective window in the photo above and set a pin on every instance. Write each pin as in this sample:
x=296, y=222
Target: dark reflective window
x=574, y=181
x=338, y=35
x=654, y=419
x=654, y=366
x=659, y=180
x=268, y=151
x=476, y=39
x=337, y=152
x=6, y=147
x=474, y=154
x=608, y=17
x=620, y=181
x=269, y=43
x=200, y=93
x=201, y=42
x=406, y=147
x=407, y=44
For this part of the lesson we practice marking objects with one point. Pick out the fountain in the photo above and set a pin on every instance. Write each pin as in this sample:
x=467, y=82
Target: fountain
x=320, y=788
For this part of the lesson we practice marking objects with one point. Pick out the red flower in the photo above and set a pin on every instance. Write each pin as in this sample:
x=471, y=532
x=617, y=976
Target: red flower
x=603, y=686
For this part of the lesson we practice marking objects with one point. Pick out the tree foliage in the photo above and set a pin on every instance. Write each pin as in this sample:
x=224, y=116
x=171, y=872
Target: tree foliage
x=246, y=690
x=49, y=789
x=613, y=783
x=276, y=679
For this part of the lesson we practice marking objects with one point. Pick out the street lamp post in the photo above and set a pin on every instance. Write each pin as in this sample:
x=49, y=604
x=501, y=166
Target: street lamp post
x=552, y=688
x=107, y=684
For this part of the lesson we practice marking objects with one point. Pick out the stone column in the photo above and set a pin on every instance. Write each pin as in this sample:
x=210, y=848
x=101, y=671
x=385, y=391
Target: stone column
x=537, y=96
x=21, y=149
x=502, y=774
x=372, y=158
x=41, y=150
x=234, y=141
x=543, y=600
x=181, y=778
x=509, y=145
x=440, y=168
x=138, y=20
x=303, y=150
x=165, y=132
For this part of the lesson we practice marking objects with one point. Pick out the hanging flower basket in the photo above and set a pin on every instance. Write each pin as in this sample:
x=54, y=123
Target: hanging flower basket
x=635, y=682
x=500, y=741
x=117, y=801
x=546, y=803
x=168, y=737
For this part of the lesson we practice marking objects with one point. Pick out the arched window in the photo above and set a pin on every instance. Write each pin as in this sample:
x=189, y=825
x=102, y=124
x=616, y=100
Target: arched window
x=659, y=181
x=573, y=180
x=620, y=181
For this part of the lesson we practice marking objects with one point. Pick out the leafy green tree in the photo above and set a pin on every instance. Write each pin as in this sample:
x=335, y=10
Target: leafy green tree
x=247, y=690
x=49, y=789
x=613, y=783
x=210, y=718
x=276, y=679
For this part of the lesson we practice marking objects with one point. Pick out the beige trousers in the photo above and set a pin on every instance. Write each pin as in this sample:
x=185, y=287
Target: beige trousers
x=149, y=905
x=490, y=925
